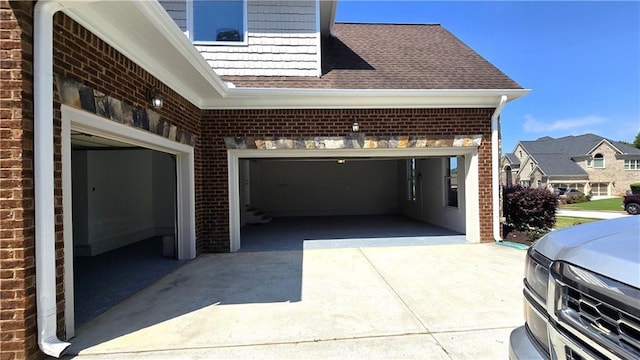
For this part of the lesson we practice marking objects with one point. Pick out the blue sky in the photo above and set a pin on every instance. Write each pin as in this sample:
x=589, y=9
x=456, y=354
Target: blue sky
x=581, y=59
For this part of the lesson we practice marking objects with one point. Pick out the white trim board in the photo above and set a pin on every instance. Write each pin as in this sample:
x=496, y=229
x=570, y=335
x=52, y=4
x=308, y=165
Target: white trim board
x=82, y=121
x=471, y=179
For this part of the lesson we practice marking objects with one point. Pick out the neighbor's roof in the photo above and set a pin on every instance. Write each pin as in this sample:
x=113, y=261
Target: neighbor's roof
x=572, y=146
x=558, y=164
x=513, y=159
x=392, y=56
x=554, y=156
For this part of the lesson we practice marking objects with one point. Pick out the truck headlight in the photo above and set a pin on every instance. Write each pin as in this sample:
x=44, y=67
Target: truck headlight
x=536, y=274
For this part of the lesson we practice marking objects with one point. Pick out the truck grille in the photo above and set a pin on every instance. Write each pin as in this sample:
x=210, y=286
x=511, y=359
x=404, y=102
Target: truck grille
x=600, y=308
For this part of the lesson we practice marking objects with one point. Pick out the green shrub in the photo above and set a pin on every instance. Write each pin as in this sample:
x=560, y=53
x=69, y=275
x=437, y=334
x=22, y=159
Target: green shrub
x=574, y=199
x=531, y=210
x=635, y=188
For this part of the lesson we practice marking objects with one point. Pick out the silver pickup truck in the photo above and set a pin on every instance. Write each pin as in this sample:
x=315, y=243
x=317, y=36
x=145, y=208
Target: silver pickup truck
x=582, y=294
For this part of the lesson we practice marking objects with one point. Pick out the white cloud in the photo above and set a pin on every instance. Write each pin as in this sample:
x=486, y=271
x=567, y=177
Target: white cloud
x=533, y=125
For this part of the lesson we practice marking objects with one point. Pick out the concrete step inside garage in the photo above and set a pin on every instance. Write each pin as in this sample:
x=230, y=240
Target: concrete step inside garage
x=349, y=231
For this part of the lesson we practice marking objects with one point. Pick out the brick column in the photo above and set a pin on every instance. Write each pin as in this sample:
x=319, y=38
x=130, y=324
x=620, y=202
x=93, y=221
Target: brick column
x=18, y=333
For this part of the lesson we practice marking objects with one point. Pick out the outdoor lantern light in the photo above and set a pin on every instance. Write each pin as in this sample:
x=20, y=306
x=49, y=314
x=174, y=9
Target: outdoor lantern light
x=355, y=127
x=154, y=98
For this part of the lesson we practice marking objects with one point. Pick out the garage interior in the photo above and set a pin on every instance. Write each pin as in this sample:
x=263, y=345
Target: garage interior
x=124, y=209
x=303, y=203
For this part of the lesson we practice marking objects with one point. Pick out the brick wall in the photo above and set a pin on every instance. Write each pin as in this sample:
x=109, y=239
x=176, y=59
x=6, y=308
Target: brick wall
x=17, y=272
x=217, y=124
x=81, y=56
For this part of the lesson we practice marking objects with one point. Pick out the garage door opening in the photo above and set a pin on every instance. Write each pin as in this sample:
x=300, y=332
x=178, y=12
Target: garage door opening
x=128, y=211
x=301, y=202
x=124, y=228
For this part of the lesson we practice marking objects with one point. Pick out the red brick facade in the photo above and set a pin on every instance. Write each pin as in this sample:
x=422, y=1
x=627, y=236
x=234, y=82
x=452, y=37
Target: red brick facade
x=81, y=56
x=217, y=124
x=17, y=272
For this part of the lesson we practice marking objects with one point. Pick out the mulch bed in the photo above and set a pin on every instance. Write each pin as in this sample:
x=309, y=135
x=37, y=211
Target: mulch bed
x=518, y=237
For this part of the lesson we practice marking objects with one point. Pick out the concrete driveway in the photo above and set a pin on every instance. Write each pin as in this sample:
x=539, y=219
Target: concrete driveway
x=414, y=302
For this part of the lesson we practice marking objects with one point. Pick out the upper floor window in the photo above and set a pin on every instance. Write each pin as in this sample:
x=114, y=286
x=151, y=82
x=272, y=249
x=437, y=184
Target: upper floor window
x=217, y=22
x=598, y=161
x=632, y=164
x=520, y=154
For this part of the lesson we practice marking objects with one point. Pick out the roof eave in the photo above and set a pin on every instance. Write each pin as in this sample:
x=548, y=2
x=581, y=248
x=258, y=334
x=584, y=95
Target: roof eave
x=361, y=98
x=146, y=34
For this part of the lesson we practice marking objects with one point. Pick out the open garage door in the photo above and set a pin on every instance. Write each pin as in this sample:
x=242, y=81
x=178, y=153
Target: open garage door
x=128, y=211
x=124, y=228
x=417, y=196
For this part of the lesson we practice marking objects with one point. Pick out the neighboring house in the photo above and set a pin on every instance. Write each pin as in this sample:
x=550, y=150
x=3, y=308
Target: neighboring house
x=590, y=163
x=281, y=109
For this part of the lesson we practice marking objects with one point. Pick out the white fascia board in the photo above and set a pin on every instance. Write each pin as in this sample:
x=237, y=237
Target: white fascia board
x=254, y=98
x=602, y=142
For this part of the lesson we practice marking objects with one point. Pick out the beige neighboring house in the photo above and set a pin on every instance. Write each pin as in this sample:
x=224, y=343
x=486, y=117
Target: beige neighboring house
x=590, y=163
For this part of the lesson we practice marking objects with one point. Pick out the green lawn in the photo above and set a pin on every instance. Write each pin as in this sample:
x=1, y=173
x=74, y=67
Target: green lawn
x=565, y=221
x=613, y=204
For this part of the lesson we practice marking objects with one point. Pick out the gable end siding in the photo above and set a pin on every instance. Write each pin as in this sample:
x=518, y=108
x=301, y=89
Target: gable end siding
x=282, y=40
x=177, y=9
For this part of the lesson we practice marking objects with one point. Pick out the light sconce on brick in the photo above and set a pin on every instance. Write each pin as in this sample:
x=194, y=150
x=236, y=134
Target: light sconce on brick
x=355, y=126
x=154, y=98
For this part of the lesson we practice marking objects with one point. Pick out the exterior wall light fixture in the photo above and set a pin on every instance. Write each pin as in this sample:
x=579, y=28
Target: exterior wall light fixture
x=154, y=98
x=355, y=126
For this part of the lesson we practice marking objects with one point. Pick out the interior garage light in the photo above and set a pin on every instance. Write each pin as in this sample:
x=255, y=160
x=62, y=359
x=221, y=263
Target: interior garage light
x=341, y=161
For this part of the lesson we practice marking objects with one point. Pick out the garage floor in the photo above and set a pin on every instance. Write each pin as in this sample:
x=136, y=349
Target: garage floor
x=326, y=232
x=104, y=280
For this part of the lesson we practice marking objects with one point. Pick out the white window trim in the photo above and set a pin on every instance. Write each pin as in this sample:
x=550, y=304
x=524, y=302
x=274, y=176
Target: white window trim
x=603, y=162
x=447, y=186
x=412, y=179
x=245, y=28
x=634, y=162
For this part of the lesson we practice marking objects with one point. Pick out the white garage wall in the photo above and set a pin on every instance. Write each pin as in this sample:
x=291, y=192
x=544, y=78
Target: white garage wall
x=430, y=205
x=324, y=187
x=115, y=202
x=164, y=195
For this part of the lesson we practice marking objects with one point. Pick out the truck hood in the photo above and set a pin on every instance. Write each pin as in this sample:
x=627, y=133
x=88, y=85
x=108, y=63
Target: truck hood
x=607, y=247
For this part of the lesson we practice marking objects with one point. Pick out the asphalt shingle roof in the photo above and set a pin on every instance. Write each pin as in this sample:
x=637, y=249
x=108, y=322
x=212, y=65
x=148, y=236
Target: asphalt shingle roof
x=392, y=56
x=513, y=159
x=553, y=156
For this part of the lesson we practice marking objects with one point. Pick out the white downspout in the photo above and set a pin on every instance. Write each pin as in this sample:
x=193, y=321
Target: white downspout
x=44, y=180
x=495, y=170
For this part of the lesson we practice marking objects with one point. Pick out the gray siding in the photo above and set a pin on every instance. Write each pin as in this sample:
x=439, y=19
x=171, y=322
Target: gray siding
x=177, y=9
x=283, y=40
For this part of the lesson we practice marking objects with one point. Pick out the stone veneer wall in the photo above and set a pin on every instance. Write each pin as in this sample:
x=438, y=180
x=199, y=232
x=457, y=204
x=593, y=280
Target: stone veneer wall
x=290, y=128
